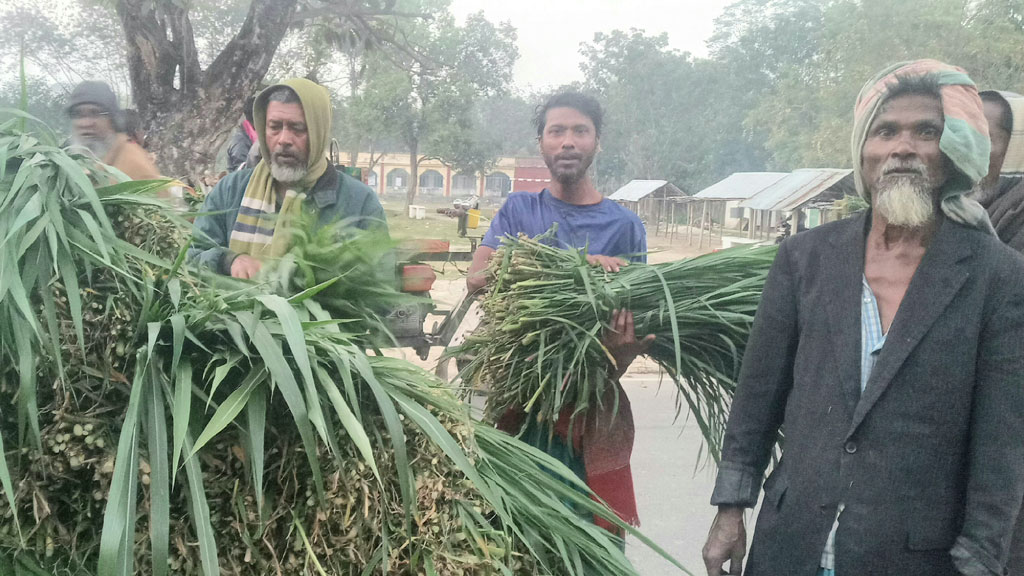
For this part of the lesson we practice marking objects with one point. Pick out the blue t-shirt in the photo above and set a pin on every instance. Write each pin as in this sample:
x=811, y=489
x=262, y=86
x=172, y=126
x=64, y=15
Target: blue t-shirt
x=604, y=228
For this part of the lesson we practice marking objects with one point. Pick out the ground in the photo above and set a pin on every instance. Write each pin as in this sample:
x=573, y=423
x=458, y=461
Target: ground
x=672, y=475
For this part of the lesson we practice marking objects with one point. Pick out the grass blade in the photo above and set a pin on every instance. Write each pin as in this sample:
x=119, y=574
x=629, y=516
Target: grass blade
x=229, y=408
x=256, y=416
x=117, y=538
x=182, y=408
x=160, y=485
x=201, y=514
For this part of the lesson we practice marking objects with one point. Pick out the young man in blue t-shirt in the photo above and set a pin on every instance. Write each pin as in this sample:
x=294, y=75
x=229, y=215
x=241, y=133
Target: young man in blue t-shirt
x=568, y=132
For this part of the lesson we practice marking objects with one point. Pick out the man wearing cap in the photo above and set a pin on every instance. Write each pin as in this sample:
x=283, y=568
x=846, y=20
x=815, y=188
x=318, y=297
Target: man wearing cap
x=887, y=349
x=94, y=116
x=245, y=213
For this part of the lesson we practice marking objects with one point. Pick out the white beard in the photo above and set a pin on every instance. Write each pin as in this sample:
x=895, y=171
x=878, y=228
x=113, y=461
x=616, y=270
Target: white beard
x=98, y=146
x=905, y=202
x=287, y=174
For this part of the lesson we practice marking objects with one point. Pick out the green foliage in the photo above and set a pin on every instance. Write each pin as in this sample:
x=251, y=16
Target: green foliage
x=430, y=100
x=778, y=89
x=300, y=451
x=540, y=349
x=831, y=49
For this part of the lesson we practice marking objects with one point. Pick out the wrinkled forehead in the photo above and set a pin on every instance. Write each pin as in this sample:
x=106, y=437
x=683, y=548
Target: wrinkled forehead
x=285, y=112
x=910, y=109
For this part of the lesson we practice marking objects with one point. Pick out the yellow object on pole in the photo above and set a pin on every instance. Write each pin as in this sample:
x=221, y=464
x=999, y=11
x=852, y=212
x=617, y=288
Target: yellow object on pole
x=473, y=218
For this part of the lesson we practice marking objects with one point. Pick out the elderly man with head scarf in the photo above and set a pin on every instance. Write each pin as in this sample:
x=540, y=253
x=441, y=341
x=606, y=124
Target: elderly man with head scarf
x=246, y=216
x=887, y=349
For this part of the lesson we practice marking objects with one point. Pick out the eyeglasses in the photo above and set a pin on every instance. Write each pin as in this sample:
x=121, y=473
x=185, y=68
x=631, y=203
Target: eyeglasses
x=84, y=114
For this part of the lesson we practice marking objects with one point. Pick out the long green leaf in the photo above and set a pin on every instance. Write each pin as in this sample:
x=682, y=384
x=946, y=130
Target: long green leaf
x=118, y=533
x=348, y=420
x=291, y=326
x=8, y=486
x=160, y=485
x=256, y=416
x=201, y=514
x=28, y=408
x=394, y=427
x=230, y=408
x=178, y=335
x=282, y=376
x=181, y=411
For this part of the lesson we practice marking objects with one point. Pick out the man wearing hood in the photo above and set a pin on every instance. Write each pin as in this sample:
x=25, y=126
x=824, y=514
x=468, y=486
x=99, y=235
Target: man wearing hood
x=246, y=213
x=887, y=349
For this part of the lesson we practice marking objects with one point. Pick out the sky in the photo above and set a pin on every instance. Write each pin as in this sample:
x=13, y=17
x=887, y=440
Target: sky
x=551, y=31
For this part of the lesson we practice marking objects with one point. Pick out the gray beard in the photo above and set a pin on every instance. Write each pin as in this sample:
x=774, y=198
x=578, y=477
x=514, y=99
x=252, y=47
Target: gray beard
x=287, y=174
x=906, y=202
x=98, y=146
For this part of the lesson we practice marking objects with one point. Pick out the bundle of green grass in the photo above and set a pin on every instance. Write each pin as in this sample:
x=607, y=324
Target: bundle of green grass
x=155, y=419
x=540, y=347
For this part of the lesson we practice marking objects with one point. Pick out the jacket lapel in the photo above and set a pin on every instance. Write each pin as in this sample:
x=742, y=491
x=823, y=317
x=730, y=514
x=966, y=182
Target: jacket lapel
x=939, y=277
x=845, y=277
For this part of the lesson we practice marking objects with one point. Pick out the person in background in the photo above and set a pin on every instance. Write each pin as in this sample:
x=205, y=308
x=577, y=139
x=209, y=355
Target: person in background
x=242, y=139
x=95, y=118
x=1001, y=192
x=131, y=125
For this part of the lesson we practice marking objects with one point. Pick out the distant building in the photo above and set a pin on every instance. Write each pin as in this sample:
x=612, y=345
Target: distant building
x=390, y=175
x=531, y=175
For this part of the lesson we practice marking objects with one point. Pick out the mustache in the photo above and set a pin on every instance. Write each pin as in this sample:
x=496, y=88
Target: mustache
x=903, y=168
x=568, y=156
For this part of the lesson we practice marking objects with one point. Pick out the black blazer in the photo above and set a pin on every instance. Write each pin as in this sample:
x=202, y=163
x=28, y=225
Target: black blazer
x=929, y=458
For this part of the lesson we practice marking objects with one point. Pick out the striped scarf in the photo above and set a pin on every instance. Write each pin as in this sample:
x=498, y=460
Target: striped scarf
x=965, y=139
x=259, y=230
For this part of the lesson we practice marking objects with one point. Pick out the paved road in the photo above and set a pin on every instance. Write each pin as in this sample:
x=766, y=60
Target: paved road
x=673, y=480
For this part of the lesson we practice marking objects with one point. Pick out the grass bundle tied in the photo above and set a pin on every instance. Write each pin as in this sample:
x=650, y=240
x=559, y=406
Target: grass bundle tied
x=156, y=419
x=540, y=346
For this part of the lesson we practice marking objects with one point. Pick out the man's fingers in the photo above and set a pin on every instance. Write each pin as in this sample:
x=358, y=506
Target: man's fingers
x=620, y=321
x=711, y=564
x=646, y=343
x=736, y=560
x=628, y=325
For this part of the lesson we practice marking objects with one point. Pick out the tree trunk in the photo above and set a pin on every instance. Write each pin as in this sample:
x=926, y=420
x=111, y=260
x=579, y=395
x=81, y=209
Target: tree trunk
x=414, y=181
x=189, y=112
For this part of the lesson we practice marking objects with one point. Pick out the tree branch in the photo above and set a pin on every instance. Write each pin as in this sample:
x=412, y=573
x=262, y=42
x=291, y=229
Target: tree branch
x=242, y=64
x=151, y=57
x=326, y=11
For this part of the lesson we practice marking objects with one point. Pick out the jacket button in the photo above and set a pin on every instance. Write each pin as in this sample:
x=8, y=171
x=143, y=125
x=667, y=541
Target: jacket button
x=851, y=447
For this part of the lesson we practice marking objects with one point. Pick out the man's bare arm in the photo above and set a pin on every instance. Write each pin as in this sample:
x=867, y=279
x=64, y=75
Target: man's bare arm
x=477, y=276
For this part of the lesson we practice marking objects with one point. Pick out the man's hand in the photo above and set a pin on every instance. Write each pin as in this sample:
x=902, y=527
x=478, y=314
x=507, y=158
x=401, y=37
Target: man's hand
x=609, y=263
x=727, y=541
x=245, y=267
x=621, y=341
